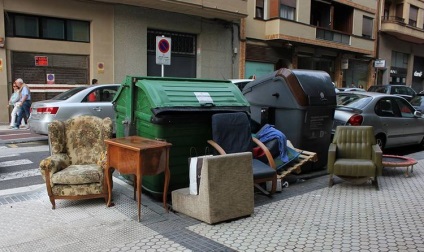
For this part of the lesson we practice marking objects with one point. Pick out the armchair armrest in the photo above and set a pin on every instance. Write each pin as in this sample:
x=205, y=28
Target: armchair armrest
x=102, y=162
x=52, y=164
x=332, y=149
x=55, y=162
x=377, y=158
x=268, y=155
x=217, y=147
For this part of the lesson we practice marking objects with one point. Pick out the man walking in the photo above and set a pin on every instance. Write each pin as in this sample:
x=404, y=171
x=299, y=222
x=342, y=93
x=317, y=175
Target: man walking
x=24, y=102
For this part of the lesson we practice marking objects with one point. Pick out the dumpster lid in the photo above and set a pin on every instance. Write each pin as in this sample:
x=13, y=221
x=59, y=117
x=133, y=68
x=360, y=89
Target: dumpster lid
x=189, y=94
x=309, y=87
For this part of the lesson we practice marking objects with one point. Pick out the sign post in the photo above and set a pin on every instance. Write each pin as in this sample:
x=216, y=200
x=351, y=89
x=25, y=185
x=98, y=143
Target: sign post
x=163, y=52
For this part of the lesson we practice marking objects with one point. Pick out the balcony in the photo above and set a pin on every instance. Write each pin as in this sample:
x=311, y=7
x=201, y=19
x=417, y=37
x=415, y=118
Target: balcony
x=287, y=30
x=397, y=27
x=332, y=35
x=213, y=9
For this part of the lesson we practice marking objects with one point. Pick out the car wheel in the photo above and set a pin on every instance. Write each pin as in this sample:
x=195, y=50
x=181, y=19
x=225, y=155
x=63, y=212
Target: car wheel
x=381, y=141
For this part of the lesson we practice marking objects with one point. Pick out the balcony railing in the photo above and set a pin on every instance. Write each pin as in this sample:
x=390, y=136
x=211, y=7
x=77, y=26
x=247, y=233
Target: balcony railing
x=333, y=36
x=393, y=19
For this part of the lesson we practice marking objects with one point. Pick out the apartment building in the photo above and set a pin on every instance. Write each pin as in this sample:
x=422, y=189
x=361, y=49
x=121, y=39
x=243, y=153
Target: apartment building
x=336, y=36
x=56, y=44
x=400, y=43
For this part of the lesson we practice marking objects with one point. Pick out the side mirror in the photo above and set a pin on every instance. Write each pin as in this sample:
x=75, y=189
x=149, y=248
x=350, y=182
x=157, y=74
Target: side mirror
x=418, y=113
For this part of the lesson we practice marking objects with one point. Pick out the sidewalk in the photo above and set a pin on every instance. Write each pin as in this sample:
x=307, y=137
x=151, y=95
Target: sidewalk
x=306, y=216
x=10, y=136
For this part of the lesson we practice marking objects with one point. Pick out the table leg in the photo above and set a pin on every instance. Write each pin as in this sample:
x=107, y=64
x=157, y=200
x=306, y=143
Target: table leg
x=165, y=188
x=135, y=186
x=407, y=172
x=109, y=186
x=138, y=178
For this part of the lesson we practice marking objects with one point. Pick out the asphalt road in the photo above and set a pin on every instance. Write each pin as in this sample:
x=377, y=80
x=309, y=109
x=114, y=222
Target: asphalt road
x=19, y=164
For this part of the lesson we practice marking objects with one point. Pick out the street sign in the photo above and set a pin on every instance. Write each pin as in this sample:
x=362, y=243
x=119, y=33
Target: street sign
x=163, y=50
x=50, y=78
x=41, y=60
x=380, y=63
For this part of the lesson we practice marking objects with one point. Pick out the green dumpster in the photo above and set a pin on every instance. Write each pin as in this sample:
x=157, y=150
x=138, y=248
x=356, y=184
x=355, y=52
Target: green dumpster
x=177, y=110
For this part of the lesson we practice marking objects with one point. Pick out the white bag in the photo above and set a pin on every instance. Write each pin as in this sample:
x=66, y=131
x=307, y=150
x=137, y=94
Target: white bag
x=195, y=172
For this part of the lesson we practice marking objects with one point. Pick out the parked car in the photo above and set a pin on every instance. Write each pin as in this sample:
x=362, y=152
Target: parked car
x=401, y=90
x=395, y=121
x=418, y=102
x=86, y=100
x=352, y=89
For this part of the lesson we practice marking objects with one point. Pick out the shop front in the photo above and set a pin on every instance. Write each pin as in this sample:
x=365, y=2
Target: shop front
x=418, y=74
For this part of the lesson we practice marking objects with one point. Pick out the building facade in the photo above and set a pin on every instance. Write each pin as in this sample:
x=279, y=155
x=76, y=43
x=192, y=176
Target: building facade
x=400, y=43
x=337, y=36
x=57, y=44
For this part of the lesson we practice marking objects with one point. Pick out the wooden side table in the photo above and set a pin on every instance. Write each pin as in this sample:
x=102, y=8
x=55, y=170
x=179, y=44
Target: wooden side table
x=139, y=156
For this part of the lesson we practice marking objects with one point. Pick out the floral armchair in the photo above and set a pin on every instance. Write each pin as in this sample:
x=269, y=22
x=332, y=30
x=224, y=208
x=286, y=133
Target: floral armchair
x=75, y=169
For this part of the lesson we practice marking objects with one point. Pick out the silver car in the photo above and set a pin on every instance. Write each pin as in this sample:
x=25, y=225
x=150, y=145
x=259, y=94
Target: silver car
x=87, y=100
x=395, y=120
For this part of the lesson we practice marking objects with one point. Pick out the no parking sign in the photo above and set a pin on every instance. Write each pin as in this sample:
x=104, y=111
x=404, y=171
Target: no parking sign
x=50, y=78
x=163, y=50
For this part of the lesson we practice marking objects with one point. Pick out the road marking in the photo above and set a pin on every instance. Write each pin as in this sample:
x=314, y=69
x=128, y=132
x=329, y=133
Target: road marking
x=15, y=163
x=24, y=189
x=20, y=150
x=9, y=155
x=20, y=174
x=20, y=134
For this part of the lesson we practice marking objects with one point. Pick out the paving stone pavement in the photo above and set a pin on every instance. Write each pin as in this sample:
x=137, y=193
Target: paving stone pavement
x=306, y=216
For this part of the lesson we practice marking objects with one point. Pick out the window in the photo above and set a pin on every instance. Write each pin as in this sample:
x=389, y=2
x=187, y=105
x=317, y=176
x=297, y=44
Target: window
x=182, y=43
x=399, y=59
x=367, y=27
x=413, y=14
x=78, y=30
x=259, y=9
x=405, y=109
x=288, y=9
x=399, y=12
x=53, y=28
x=29, y=26
x=26, y=26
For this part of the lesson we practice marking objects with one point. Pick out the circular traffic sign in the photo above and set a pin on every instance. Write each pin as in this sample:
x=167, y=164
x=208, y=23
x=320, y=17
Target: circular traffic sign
x=163, y=46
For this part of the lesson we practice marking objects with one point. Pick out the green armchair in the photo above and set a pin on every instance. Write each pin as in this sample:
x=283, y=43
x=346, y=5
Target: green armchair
x=354, y=155
x=75, y=169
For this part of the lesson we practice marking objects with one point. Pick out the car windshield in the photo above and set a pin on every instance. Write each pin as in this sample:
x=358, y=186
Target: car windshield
x=417, y=101
x=357, y=101
x=378, y=89
x=67, y=94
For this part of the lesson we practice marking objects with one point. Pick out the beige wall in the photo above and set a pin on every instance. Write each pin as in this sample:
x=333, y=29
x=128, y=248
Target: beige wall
x=100, y=49
x=214, y=47
x=389, y=44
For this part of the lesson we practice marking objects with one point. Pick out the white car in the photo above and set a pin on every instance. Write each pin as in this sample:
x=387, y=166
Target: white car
x=93, y=100
x=241, y=83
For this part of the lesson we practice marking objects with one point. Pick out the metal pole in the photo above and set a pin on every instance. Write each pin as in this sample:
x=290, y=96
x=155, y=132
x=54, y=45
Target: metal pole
x=162, y=70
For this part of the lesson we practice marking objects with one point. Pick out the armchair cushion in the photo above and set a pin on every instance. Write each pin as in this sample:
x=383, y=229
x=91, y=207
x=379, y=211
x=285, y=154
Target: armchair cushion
x=261, y=170
x=355, y=167
x=78, y=190
x=78, y=174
